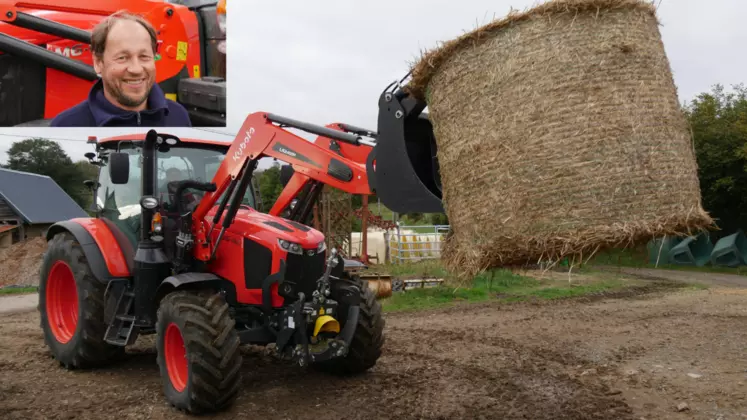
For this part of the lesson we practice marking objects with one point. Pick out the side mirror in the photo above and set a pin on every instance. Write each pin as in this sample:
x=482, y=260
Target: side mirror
x=119, y=167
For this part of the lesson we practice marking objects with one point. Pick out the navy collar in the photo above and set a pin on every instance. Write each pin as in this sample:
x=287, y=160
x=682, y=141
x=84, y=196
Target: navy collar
x=104, y=111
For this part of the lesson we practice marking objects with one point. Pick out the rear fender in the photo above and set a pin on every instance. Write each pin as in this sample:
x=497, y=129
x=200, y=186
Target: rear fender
x=105, y=257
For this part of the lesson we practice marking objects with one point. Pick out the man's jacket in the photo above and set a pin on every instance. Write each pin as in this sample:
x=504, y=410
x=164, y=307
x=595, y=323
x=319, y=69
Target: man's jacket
x=97, y=111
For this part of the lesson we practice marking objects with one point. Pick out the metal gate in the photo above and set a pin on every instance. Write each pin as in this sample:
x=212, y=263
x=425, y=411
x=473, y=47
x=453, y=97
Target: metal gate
x=416, y=243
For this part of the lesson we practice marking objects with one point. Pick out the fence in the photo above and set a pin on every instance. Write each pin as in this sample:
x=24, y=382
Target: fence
x=415, y=243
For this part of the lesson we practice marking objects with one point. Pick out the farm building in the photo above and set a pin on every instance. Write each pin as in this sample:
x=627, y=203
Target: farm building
x=29, y=204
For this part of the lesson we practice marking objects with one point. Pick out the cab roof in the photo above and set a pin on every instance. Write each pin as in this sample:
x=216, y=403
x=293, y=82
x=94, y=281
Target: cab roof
x=141, y=137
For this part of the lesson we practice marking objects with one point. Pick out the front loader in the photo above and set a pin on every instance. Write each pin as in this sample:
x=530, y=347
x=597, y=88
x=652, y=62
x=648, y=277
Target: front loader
x=176, y=249
x=46, y=65
x=406, y=176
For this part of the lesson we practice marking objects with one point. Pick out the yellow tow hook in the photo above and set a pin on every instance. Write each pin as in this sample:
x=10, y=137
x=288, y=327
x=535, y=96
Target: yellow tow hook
x=326, y=323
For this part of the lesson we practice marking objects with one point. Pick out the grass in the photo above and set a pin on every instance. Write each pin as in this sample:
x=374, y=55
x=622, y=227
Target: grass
x=497, y=284
x=637, y=258
x=18, y=290
x=426, y=268
x=419, y=299
x=380, y=210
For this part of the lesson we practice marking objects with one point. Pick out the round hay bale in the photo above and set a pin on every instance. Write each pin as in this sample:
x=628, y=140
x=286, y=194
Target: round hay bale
x=560, y=133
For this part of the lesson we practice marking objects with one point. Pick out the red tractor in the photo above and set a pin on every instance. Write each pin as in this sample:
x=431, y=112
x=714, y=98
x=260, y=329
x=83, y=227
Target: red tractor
x=176, y=249
x=46, y=64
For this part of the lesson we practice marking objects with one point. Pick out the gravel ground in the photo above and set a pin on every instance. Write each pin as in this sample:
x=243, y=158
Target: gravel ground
x=657, y=353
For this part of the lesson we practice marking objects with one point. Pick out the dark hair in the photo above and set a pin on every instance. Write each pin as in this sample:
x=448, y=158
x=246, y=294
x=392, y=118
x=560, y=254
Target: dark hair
x=101, y=31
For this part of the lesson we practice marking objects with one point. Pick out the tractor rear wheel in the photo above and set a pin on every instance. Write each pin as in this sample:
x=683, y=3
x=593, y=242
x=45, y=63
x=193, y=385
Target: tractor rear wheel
x=198, y=351
x=367, y=342
x=71, y=306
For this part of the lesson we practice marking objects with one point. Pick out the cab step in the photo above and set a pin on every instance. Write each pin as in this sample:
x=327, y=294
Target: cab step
x=119, y=332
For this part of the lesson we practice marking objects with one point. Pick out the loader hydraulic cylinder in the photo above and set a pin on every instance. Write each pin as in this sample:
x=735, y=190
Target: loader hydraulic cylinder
x=359, y=131
x=25, y=20
x=315, y=129
x=233, y=207
x=45, y=57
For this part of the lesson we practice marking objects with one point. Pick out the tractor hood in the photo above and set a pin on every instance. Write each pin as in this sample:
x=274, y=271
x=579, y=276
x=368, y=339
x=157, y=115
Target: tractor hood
x=251, y=223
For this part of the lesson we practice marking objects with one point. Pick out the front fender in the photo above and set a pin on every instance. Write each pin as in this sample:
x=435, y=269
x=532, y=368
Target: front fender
x=183, y=279
x=105, y=258
x=190, y=280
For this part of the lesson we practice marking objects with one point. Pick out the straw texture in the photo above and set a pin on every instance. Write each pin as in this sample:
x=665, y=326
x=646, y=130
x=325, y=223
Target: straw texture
x=559, y=133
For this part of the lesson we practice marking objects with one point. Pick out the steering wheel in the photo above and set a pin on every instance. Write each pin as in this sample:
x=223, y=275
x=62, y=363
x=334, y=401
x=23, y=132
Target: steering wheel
x=190, y=198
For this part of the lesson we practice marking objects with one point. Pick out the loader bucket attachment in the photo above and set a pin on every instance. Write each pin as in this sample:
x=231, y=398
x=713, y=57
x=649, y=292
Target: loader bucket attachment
x=403, y=168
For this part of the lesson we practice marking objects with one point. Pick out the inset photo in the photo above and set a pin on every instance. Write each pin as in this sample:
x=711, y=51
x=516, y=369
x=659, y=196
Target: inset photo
x=142, y=63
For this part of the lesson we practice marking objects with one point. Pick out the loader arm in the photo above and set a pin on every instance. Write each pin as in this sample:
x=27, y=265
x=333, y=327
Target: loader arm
x=263, y=135
x=77, y=6
x=299, y=181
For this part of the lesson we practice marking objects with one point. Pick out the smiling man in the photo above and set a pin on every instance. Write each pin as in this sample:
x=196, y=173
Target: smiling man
x=124, y=49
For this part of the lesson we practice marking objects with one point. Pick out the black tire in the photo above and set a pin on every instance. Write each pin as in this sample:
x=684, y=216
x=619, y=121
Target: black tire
x=212, y=375
x=86, y=346
x=367, y=343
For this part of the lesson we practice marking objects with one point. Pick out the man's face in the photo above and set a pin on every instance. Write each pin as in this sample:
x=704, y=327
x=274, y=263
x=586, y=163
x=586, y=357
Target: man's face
x=128, y=66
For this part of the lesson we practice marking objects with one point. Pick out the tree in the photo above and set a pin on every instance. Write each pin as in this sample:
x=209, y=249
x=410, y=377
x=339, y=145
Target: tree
x=270, y=186
x=45, y=157
x=719, y=123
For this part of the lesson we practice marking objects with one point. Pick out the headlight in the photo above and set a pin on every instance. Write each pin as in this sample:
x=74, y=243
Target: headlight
x=291, y=247
x=321, y=247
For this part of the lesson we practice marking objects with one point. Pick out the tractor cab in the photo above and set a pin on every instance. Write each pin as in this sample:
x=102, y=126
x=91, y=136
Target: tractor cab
x=118, y=201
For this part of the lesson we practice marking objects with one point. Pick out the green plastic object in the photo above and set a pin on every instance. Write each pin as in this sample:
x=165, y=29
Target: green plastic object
x=658, y=249
x=693, y=250
x=730, y=251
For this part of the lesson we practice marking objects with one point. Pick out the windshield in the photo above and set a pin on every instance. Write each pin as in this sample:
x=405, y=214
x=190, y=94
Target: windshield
x=179, y=163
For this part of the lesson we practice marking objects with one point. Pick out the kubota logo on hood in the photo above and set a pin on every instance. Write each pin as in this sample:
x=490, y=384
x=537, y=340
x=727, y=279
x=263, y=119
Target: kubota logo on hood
x=237, y=154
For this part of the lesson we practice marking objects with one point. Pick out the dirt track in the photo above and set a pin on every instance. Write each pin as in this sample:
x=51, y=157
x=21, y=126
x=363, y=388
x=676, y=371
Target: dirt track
x=616, y=358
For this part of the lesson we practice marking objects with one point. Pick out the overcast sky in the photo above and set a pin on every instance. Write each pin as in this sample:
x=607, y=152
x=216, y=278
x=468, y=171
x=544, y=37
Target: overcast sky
x=328, y=60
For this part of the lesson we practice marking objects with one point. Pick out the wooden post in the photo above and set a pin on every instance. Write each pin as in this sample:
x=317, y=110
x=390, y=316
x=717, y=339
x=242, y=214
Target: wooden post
x=386, y=246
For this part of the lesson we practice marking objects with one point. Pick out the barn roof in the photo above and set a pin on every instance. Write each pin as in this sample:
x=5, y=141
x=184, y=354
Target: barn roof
x=37, y=198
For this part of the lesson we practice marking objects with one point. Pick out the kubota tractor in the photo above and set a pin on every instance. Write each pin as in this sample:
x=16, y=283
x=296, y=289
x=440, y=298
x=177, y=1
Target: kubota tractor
x=176, y=249
x=46, y=64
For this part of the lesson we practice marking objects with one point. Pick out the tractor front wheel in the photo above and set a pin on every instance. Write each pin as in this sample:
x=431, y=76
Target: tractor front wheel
x=368, y=339
x=72, y=307
x=198, y=351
